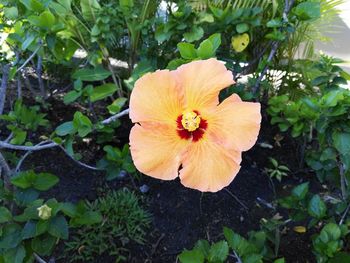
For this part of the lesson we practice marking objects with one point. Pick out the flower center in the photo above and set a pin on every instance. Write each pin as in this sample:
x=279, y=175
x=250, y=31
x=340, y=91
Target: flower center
x=190, y=120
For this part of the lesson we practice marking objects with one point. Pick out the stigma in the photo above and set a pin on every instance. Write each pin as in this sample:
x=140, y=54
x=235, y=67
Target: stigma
x=190, y=121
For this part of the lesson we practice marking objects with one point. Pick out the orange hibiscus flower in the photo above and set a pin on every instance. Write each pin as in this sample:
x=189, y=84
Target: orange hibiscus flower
x=182, y=130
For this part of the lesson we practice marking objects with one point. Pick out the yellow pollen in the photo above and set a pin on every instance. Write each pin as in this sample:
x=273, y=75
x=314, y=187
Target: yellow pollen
x=190, y=120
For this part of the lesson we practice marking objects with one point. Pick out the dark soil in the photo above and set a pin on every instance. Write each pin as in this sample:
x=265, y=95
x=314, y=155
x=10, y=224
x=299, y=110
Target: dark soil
x=182, y=216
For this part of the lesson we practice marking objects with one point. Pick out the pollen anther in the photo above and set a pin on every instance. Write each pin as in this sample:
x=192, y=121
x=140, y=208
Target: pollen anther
x=190, y=120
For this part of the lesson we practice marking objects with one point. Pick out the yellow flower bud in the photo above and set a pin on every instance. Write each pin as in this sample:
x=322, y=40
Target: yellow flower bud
x=44, y=212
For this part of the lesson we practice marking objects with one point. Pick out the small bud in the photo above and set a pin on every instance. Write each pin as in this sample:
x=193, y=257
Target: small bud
x=44, y=212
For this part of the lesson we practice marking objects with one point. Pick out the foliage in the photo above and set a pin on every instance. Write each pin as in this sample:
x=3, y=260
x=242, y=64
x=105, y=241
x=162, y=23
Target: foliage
x=278, y=171
x=124, y=222
x=253, y=249
x=36, y=226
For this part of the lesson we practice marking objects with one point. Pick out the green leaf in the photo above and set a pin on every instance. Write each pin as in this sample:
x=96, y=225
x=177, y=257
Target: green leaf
x=308, y=10
x=15, y=255
x=43, y=244
x=11, y=13
x=58, y=227
x=191, y=256
x=242, y=27
x=218, y=252
x=65, y=129
x=29, y=230
x=279, y=260
x=215, y=39
x=11, y=236
x=340, y=257
x=5, y=215
x=187, y=50
x=34, y=5
x=117, y=105
x=300, y=191
x=89, y=9
x=195, y=34
x=71, y=96
x=24, y=197
x=341, y=142
x=103, y=91
x=274, y=23
x=44, y=181
x=95, y=74
x=319, y=80
x=82, y=124
x=40, y=181
x=69, y=209
x=317, y=207
x=46, y=20
x=206, y=49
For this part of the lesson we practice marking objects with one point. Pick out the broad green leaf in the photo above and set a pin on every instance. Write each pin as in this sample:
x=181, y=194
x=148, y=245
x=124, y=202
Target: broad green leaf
x=11, y=12
x=206, y=49
x=65, y=129
x=95, y=74
x=43, y=244
x=29, y=230
x=11, y=236
x=44, y=181
x=340, y=257
x=116, y=106
x=71, y=96
x=195, y=34
x=242, y=28
x=89, y=9
x=218, y=252
x=215, y=39
x=15, y=255
x=300, y=191
x=103, y=91
x=58, y=227
x=191, y=256
x=33, y=5
x=341, y=142
x=187, y=50
x=317, y=207
x=274, y=23
x=87, y=218
x=308, y=10
x=82, y=124
x=5, y=215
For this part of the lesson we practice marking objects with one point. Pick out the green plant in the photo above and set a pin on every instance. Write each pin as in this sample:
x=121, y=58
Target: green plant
x=23, y=119
x=31, y=224
x=253, y=249
x=124, y=221
x=278, y=171
x=328, y=243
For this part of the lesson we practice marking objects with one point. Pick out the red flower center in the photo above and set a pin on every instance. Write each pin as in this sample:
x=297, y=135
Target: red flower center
x=185, y=133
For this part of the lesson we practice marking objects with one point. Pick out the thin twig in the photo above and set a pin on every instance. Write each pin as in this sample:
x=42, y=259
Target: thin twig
x=5, y=145
x=40, y=78
x=41, y=146
x=29, y=59
x=115, y=117
x=237, y=257
x=38, y=258
x=3, y=87
x=236, y=198
x=5, y=172
x=344, y=215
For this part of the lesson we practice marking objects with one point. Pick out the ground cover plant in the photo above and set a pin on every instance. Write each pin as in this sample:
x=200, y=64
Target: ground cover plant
x=172, y=131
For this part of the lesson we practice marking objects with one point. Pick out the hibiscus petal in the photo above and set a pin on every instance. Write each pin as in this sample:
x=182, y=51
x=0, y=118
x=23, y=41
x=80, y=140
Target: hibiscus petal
x=156, y=97
x=209, y=167
x=202, y=81
x=157, y=150
x=235, y=123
